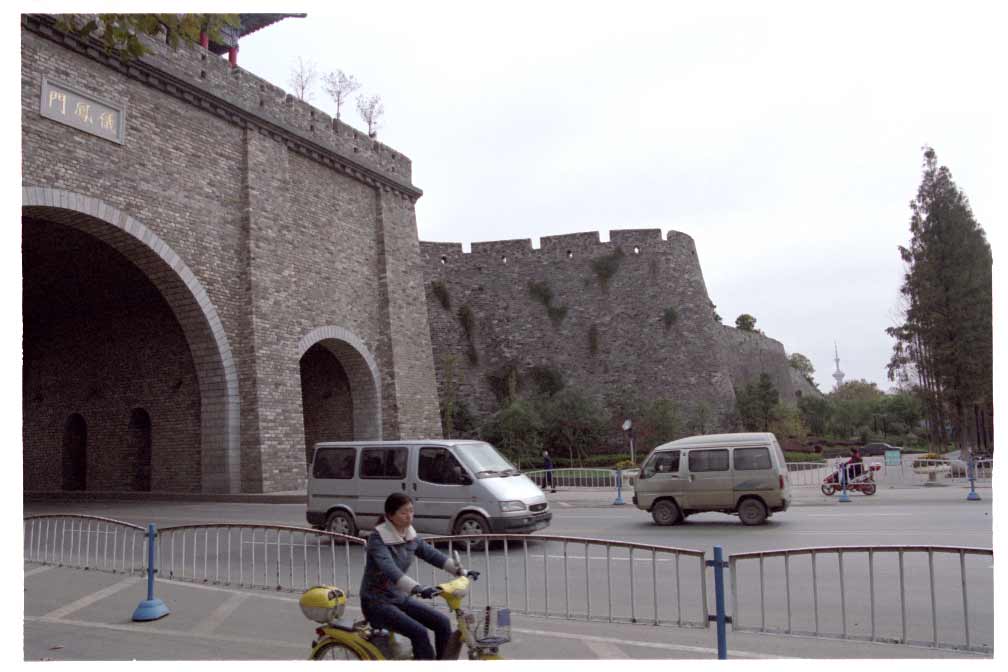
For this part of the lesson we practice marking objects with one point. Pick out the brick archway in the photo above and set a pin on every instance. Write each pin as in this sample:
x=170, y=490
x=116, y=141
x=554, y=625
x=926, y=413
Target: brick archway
x=361, y=369
x=215, y=367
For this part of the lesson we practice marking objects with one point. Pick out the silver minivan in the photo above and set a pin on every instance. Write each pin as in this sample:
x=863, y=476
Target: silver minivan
x=458, y=487
x=742, y=474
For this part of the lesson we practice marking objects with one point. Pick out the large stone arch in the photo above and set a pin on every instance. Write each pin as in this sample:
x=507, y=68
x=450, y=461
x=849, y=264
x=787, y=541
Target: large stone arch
x=362, y=370
x=188, y=299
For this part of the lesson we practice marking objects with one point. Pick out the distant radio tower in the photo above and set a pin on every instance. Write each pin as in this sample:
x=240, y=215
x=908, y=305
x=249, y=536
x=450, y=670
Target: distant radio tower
x=838, y=375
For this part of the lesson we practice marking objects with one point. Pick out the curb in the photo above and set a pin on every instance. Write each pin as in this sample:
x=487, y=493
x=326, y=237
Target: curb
x=97, y=496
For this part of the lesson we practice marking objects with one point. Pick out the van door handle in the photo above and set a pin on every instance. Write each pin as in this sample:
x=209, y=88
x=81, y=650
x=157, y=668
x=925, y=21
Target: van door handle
x=414, y=487
x=404, y=485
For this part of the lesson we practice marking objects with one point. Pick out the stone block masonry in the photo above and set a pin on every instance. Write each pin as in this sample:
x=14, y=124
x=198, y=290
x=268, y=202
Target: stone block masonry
x=258, y=222
x=614, y=338
x=630, y=318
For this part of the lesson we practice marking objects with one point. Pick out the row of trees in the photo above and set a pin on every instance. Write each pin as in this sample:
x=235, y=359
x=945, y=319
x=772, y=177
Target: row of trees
x=304, y=76
x=857, y=410
x=944, y=347
x=564, y=420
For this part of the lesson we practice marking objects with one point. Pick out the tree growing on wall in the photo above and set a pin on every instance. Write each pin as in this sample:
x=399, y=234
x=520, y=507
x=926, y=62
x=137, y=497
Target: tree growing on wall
x=745, y=322
x=946, y=338
x=339, y=86
x=371, y=110
x=121, y=32
x=803, y=366
x=302, y=79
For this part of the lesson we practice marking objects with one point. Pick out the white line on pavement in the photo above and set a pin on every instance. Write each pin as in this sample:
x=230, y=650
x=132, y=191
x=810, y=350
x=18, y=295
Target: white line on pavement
x=37, y=570
x=146, y=631
x=88, y=600
x=651, y=645
x=847, y=515
x=220, y=614
x=605, y=650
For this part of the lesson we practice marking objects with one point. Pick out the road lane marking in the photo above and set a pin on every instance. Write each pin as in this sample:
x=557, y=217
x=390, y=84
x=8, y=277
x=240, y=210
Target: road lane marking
x=605, y=650
x=37, y=570
x=650, y=645
x=146, y=631
x=220, y=614
x=841, y=515
x=88, y=600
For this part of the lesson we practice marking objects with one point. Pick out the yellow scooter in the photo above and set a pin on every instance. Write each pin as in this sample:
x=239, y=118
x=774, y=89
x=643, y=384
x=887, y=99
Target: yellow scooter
x=482, y=632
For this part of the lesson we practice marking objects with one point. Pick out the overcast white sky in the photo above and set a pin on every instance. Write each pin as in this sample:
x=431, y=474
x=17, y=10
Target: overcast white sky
x=785, y=140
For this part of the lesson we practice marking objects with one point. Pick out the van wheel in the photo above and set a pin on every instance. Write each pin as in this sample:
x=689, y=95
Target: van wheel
x=665, y=512
x=341, y=522
x=471, y=523
x=752, y=512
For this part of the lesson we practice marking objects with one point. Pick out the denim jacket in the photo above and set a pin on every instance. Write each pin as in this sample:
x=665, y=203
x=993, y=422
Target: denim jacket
x=389, y=556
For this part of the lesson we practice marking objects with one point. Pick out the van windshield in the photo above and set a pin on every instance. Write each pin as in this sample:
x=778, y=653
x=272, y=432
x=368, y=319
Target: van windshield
x=484, y=461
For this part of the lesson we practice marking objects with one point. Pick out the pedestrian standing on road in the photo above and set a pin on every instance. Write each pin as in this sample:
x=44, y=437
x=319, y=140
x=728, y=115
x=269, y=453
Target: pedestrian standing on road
x=386, y=589
x=548, y=466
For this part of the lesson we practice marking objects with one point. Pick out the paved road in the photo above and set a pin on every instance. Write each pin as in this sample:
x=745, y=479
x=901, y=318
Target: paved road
x=918, y=516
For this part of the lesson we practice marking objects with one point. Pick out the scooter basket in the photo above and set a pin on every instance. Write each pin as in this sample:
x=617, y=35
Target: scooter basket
x=493, y=626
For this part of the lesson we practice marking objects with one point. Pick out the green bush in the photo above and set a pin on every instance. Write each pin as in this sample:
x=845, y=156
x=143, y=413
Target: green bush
x=541, y=292
x=669, y=317
x=793, y=456
x=605, y=267
x=440, y=290
x=557, y=314
x=547, y=379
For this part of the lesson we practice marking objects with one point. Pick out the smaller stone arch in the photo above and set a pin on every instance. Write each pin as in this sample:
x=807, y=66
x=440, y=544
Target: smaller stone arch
x=361, y=369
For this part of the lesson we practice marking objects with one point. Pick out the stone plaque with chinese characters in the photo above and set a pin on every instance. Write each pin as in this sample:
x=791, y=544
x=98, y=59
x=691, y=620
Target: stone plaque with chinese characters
x=82, y=111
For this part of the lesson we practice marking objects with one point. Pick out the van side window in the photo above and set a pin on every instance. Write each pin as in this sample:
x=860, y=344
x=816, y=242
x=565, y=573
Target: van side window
x=437, y=465
x=708, y=460
x=666, y=462
x=334, y=463
x=747, y=459
x=387, y=463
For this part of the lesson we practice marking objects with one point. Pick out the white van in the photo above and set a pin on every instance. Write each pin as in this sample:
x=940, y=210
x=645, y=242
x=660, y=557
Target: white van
x=742, y=474
x=458, y=487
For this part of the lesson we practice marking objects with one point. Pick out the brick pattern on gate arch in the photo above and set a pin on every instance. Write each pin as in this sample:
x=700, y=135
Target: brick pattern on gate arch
x=362, y=371
x=208, y=343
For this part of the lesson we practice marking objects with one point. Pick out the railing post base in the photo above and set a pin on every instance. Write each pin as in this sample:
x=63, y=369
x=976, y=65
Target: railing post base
x=152, y=608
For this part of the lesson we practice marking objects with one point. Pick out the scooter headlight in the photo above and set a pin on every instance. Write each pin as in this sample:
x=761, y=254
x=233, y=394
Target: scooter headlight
x=514, y=505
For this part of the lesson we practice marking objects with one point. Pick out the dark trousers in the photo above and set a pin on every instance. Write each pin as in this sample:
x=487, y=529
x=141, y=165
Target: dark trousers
x=412, y=619
x=549, y=478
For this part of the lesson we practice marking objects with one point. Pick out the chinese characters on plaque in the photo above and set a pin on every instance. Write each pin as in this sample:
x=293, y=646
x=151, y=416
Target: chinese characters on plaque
x=81, y=111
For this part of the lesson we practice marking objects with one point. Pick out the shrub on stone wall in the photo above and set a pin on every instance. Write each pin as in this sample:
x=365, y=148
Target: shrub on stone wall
x=593, y=339
x=547, y=379
x=440, y=291
x=557, y=314
x=504, y=382
x=669, y=316
x=467, y=319
x=605, y=267
x=541, y=292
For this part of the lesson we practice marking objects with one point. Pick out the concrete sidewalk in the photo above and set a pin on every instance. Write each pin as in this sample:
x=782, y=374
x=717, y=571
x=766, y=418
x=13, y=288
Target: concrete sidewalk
x=86, y=615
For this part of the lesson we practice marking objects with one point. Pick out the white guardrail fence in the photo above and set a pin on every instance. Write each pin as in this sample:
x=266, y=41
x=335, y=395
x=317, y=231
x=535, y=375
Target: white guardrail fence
x=910, y=471
x=863, y=592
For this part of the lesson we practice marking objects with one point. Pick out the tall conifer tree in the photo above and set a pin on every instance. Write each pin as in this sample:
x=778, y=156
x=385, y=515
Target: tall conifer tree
x=946, y=339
